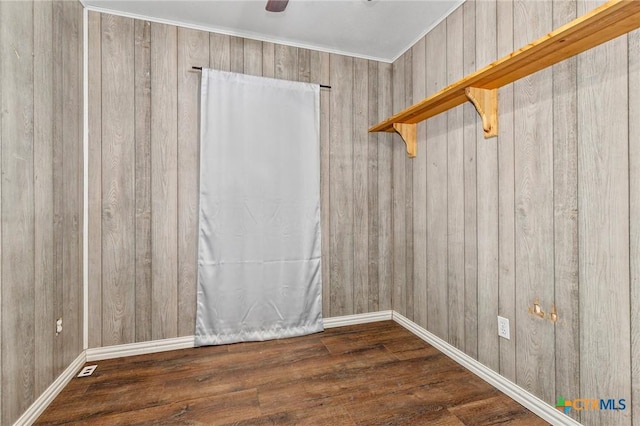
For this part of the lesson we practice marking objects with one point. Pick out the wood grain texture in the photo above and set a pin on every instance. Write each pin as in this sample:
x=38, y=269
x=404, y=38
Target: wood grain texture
x=385, y=191
x=506, y=202
x=487, y=207
x=455, y=186
x=470, y=190
x=286, y=62
x=437, y=208
x=373, y=219
x=17, y=200
x=419, y=188
x=634, y=216
x=320, y=71
x=236, y=54
x=304, y=65
x=603, y=224
x=164, y=150
x=72, y=149
x=534, y=210
x=143, y=259
x=43, y=194
x=252, y=57
x=395, y=379
x=40, y=192
x=219, y=54
x=58, y=181
x=193, y=48
x=612, y=20
x=118, y=173
x=408, y=202
x=360, y=186
x=399, y=250
x=164, y=123
x=341, y=181
x=95, y=179
x=565, y=199
x=269, y=59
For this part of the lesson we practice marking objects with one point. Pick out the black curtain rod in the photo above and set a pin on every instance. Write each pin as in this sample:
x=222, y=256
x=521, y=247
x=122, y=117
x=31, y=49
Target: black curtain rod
x=324, y=86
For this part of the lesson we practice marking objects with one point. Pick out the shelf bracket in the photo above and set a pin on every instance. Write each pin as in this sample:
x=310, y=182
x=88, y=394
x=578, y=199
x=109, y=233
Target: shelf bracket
x=486, y=103
x=408, y=133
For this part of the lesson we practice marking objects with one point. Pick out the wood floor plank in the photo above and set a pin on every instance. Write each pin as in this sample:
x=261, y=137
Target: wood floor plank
x=376, y=373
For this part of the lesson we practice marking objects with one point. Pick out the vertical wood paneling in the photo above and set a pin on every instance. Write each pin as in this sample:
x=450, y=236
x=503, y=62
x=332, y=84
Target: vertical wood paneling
x=286, y=62
x=252, y=57
x=565, y=199
x=470, y=188
x=320, y=73
x=341, y=180
x=193, y=50
x=118, y=172
x=220, y=51
x=18, y=298
x=487, y=203
x=43, y=194
x=408, y=202
x=399, y=250
x=304, y=65
x=634, y=216
x=385, y=190
x=95, y=180
x=143, y=260
x=40, y=196
x=360, y=186
x=419, y=75
x=437, y=305
x=455, y=186
x=603, y=225
x=506, y=202
x=373, y=223
x=164, y=180
x=534, y=208
x=58, y=182
x=72, y=148
x=269, y=60
x=236, y=54
x=165, y=119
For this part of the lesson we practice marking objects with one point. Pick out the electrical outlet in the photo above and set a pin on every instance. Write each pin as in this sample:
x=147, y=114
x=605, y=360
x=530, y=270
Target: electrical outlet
x=503, y=327
x=58, y=326
x=87, y=370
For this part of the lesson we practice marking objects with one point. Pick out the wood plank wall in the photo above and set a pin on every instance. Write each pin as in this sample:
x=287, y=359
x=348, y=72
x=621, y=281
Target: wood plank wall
x=546, y=212
x=41, y=197
x=143, y=176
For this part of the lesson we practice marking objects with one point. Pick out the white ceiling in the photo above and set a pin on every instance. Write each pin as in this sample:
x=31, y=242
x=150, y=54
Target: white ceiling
x=377, y=29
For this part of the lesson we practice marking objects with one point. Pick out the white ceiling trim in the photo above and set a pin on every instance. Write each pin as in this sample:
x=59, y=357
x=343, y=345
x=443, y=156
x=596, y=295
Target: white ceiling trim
x=244, y=34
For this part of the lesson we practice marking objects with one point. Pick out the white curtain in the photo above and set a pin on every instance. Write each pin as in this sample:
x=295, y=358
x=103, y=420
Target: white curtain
x=259, y=238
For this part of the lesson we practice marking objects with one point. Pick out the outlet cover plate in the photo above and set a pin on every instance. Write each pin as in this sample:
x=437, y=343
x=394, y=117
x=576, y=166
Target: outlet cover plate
x=503, y=327
x=87, y=370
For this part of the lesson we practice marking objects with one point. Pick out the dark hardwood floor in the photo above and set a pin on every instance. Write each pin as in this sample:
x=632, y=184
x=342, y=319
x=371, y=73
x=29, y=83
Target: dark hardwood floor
x=370, y=374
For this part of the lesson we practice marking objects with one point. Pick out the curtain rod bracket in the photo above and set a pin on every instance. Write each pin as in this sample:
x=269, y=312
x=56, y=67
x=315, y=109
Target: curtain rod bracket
x=323, y=86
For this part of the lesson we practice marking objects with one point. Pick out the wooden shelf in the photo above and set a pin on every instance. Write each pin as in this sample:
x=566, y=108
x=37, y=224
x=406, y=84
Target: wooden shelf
x=611, y=20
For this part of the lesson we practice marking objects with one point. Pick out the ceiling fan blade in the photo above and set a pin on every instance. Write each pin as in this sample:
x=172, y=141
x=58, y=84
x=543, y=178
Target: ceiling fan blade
x=276, y=5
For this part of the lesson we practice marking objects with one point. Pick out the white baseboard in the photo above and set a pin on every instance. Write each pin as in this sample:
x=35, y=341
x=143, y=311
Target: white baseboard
x=43, y=401
x=532, y=402
x=529, y=400
x=140, y=348
x=357, y=319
